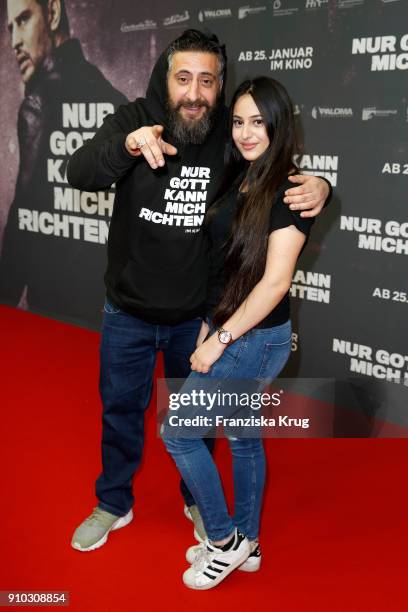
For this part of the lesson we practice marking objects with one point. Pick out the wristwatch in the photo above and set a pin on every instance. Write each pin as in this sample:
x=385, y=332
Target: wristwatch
x=224, y=336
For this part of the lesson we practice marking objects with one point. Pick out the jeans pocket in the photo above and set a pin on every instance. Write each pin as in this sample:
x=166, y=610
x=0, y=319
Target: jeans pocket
x=274, y=358
x=110, y=308
x=227, y=363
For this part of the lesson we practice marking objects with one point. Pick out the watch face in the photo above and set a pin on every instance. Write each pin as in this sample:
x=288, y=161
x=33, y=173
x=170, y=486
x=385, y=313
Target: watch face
x=225, y=337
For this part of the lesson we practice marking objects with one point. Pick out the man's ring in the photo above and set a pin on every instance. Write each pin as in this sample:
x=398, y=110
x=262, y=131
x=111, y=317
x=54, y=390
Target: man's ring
x=140, y=144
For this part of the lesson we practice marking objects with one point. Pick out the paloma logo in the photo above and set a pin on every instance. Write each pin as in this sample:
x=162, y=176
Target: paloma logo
x=320, y=112
x=207, y=14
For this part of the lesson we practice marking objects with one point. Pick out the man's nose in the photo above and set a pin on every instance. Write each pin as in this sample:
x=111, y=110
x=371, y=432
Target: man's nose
x=194, y=89
x=16, y=40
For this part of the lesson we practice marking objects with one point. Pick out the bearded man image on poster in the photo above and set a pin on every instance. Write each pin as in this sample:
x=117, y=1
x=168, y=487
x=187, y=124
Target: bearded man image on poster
x=52, y=254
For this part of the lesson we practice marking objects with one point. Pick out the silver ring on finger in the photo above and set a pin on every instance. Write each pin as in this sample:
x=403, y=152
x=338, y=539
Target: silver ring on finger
x=140, y=143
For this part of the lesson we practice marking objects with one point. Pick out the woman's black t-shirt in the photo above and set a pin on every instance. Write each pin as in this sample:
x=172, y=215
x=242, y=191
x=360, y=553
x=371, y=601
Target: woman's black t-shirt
x=218, y=231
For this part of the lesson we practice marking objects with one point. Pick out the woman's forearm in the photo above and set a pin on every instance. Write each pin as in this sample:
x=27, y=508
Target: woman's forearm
x=283, y=250
x=264, y=297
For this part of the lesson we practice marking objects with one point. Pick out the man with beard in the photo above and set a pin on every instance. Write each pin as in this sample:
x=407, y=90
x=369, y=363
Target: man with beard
x=157, y=268
x=62, y=276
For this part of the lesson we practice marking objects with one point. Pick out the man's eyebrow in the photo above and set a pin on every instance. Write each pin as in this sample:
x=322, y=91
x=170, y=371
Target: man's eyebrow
x=24, y=13
x=204, y=73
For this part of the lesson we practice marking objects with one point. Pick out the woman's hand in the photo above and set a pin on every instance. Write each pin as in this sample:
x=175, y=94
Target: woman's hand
x=207, y=354
x=202, y=334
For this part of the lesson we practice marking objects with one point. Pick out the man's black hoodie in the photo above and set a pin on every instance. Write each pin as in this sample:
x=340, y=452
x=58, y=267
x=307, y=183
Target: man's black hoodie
x=157, y=267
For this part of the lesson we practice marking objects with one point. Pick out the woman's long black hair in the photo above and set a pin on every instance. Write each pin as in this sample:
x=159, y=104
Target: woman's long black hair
x=247, y=246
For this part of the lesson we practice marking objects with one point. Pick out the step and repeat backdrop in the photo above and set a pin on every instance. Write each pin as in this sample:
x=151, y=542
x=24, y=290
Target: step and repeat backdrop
x=345, y=65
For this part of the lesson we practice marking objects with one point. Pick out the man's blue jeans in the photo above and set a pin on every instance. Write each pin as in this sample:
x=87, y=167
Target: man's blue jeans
x=128, y=353
x=257, y=356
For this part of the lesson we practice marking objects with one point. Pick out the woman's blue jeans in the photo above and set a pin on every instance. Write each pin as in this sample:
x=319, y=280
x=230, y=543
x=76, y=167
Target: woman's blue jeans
x=259, y=355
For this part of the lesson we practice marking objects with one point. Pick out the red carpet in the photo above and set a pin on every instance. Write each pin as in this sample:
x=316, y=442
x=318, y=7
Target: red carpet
x=334, y=533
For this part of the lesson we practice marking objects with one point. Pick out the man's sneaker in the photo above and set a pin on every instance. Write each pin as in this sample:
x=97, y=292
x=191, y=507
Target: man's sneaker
x=94, y=531
x=193, y=514
x=187, y=513
x=213, y=563
x=252, y=564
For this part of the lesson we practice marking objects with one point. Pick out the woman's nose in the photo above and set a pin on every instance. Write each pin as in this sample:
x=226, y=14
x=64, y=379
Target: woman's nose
x=246, y=131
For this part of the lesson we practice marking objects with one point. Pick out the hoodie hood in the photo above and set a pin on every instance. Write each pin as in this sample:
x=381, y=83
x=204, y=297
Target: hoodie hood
x=156, y=93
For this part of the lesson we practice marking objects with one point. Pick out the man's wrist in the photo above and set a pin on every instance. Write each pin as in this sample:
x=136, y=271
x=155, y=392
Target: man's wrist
x=329, y=195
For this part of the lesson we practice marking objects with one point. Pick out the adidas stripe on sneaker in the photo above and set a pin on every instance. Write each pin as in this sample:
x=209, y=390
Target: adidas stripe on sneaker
x=214, y=564
x=252, y=564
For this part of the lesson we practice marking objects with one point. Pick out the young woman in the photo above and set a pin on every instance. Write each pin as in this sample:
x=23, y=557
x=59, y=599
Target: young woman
x=255, y=240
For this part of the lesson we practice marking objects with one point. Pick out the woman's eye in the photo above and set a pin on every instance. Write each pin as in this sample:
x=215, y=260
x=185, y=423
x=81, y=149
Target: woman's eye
x=258, y=122
x=237, y=123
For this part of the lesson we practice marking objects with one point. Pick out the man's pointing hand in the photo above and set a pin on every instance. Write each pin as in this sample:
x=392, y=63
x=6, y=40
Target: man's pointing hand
x=147, y=141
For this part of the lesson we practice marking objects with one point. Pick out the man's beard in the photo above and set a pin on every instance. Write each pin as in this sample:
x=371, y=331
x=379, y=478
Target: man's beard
x=194, y=131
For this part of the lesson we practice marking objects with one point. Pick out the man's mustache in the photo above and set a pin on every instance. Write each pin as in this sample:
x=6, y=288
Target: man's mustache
x=192, y=104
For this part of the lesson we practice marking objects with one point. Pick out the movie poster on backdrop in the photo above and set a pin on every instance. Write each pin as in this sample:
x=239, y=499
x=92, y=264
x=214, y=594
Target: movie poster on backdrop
x=63, y=79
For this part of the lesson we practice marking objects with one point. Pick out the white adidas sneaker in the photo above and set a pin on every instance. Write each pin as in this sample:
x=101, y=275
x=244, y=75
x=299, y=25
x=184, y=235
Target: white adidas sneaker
x=252, y=564
x=213, y=564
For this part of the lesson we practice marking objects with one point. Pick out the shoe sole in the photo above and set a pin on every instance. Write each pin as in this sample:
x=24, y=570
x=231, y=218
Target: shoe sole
x=251, y=565
x=217, y=581
x=121, y=522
